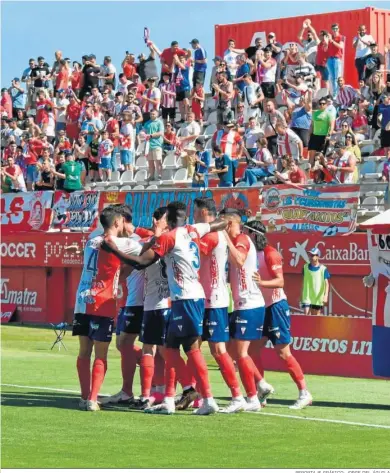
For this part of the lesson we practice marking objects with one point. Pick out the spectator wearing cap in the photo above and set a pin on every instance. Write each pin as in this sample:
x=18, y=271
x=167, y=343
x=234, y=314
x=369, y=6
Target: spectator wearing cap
x=344, y=165
x=252, y=98
x=91, y=73
x=202, y=163
x=168, y=98
x=321, y=129
x=373, y=62
x=361, y=43
x=167, y=57
x=18, y=96
x=335, y=56
x=315, y=285
x=6, y=102
x=151, y=98
x=310, y=44
x=224, y=90
x=200, y=62
x=128, y=65
x=147, y=66
x=277, y=52
x=197, y=102
x=230, y=58
x=107, y=73
x=346, y=94
x=154, y=133
x=384, y=110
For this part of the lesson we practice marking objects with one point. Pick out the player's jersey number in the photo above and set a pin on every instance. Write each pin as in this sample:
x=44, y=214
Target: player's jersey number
x=92, y=262
x=195, y=252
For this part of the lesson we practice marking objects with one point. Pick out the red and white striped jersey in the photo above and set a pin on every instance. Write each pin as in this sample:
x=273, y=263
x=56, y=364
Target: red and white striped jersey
x=228, y=142
x=270, y=264
x=246, y=293
x=180, y=249
x=98, y=285
x=214, y=256
x=153, y=94
x=168, y=100
x=346, y=96
x=288, y=144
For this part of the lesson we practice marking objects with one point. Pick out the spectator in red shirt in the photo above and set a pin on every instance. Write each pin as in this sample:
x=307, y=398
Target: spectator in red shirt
x=296, y=175
x=15, y=174
x=62, y=76
x=75, y=78
x=42, y=115
x=169, y=138
x=359, y=123
x=322, y=58
x=73, y=113
x=128, y=65
x=335, y=55
x=167, y=56
x=6, y=102
x=33, y=148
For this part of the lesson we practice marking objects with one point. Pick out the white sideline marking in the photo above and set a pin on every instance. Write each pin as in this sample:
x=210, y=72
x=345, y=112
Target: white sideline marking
x=315, y=419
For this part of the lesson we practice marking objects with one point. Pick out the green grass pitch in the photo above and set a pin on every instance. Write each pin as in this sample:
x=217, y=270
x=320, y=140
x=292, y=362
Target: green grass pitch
x=44, y=429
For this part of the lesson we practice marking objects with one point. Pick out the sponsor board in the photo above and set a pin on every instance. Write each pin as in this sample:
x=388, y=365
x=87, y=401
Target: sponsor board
x=337, y=346
x=7, y=311
x=75, y=210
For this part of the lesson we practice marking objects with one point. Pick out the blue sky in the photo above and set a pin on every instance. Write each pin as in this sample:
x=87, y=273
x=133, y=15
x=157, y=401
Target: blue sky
x=32, y=29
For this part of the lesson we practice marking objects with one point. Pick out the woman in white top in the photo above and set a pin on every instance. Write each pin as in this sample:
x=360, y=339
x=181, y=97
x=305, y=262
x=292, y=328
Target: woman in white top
x=49, y=128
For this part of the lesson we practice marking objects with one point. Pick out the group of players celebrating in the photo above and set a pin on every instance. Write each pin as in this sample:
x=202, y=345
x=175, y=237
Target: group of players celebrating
x=178, y=297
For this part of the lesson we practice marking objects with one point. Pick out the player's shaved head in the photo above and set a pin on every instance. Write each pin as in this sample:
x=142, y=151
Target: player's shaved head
x=109, y=216
x=176, y=214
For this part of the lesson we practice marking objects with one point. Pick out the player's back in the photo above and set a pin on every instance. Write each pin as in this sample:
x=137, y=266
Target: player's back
x=270, y=264
x=214, y=256
x=246, y=293
x=156, y=294
x=136, y=280
x=180, y=248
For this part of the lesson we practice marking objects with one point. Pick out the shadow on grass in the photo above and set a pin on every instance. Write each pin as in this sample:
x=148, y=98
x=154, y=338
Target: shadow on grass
x=331, y=404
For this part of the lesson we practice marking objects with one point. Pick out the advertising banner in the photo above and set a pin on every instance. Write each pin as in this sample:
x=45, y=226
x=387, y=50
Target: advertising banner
x=144, y=203
x=337, y=346
x=26, y=211
x=75, y=210
x=325, y=211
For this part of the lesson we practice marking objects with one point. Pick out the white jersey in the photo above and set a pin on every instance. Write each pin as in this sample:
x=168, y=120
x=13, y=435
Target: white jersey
x=98, y=285
x=214, y=255
x=156, y=295
x=180, y=248
x=246, y=293
x=135, y=282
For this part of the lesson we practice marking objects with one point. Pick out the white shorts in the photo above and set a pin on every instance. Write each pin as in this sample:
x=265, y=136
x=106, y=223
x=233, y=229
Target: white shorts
x=155, y=154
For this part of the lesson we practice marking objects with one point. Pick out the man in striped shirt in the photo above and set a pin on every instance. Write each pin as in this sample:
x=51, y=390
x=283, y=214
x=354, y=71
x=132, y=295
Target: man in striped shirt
x=288, y=142
x=346, y=94
x=151, y=99
x=168, y=98
x=200, y=60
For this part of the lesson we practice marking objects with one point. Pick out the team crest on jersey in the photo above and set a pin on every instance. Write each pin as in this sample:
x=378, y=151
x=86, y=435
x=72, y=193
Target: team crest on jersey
x=180, y=327
x=127, y=323
x=211, y=331
x=94, y=326
x=243, y=330
x=277, y=334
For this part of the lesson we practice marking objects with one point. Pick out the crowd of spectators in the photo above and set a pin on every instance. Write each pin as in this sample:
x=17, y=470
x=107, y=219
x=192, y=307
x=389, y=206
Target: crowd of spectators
x=284, y=111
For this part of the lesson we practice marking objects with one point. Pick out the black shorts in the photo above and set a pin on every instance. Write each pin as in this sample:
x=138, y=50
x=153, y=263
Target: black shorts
x=93, y=166
x=154, y=326
x=130, y=320
x=181, y=95
x=93, y=326
x=268, y=89
x=385, y=138
x=317, y=143
x=198, y=76
x=324, y=72
x=313, y=306
x=168, y=112
x=304, y=135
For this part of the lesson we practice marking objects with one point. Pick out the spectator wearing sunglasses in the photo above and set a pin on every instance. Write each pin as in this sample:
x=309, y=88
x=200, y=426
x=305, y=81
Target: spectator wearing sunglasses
x=321, y=129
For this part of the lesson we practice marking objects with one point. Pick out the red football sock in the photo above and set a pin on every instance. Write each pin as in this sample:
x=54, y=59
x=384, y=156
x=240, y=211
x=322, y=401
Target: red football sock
x=228, y=372
x=295, y=370
x=184, y=373
x=254, y=353
x=198, y=366
x=98, y=371
x=146, y=370
x=84, y=372
x=245, y=367
x=171, y=359
x=130, y=357
x=159, y=369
